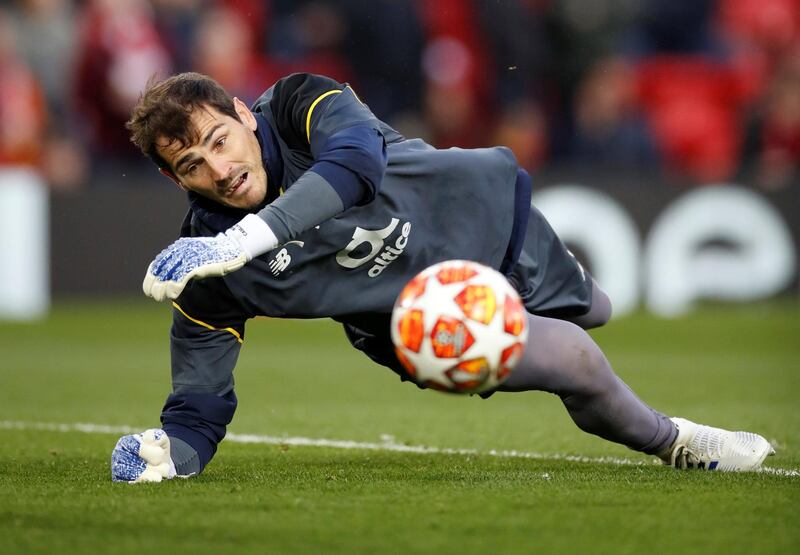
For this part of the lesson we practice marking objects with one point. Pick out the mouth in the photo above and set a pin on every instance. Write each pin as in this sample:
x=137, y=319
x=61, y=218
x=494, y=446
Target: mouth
x=236, y=185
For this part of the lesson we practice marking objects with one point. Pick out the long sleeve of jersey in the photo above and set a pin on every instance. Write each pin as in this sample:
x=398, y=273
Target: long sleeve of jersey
x=205, y=339
x=324, y=119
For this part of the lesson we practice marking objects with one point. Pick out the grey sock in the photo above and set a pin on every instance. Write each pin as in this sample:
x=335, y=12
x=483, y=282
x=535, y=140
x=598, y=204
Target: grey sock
x=184, y=457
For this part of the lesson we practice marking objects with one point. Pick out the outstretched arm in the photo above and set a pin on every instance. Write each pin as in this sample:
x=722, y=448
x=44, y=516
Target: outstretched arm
x=344, y=140
x=205, y=340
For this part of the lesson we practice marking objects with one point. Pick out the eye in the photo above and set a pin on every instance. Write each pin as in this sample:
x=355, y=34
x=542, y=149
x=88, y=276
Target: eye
x=221, y=142
x=191, y=170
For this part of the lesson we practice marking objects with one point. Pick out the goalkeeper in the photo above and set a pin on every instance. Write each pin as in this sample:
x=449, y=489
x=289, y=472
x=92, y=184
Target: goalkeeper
x=306, y=206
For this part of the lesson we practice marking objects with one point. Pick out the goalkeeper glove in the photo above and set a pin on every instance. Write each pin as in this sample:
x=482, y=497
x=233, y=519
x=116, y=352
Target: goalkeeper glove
x=200, y=257
x=143, y=457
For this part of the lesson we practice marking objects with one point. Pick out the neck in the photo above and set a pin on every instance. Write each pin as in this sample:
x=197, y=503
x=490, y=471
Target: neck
x=270, y=156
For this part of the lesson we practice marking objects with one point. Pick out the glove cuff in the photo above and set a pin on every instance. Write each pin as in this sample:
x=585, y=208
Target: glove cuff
x=253, y=236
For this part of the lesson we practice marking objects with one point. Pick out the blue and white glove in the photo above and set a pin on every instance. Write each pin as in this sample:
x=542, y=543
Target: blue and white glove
x=200, y=257
x=143, y=457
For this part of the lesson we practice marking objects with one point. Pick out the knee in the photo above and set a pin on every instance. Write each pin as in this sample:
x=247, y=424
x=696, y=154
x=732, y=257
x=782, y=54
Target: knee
x=561, y=358
x=589, y=369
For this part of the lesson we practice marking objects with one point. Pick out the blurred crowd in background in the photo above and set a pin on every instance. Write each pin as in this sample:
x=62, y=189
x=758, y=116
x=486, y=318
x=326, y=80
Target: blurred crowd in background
x=696, y=91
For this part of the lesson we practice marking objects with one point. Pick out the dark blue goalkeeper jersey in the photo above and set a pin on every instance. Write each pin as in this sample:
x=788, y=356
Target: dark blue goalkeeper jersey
x=429, y=205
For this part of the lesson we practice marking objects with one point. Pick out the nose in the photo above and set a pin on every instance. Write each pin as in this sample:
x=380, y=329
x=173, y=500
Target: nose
x=220, y=169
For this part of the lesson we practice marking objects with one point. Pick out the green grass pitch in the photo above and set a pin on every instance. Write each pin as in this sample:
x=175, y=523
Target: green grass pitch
x=107, y=364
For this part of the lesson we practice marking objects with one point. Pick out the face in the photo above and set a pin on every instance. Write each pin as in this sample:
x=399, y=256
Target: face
x=224, y=164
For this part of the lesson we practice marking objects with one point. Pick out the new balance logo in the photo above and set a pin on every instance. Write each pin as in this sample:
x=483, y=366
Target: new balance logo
x=711, y=465
x=283, y=258
x=280, y=262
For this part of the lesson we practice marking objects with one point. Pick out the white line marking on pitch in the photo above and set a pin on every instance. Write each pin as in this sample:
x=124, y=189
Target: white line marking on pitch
x=387, y=443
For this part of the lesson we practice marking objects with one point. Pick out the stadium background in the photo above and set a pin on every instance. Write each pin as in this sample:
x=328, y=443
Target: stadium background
x=642, y=100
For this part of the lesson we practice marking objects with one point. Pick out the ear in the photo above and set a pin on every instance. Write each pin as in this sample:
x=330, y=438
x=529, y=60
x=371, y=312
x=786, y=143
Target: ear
x=172, y=176
x=245, y=114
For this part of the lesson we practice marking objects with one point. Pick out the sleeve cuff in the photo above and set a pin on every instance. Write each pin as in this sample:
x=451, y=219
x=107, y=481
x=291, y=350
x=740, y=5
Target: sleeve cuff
x=253, y=235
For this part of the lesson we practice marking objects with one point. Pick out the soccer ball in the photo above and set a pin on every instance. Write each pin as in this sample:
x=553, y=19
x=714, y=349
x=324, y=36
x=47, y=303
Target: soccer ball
x=459, y=326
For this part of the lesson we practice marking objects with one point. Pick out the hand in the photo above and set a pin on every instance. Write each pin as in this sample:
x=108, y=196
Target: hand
x=199, y=257
x=191, y=258
x=143, y=457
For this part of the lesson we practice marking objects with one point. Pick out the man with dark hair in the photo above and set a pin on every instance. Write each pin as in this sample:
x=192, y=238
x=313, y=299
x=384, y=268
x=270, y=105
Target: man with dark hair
x=291, y=203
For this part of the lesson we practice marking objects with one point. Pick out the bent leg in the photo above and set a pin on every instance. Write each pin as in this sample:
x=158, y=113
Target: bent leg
x=562, y=358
